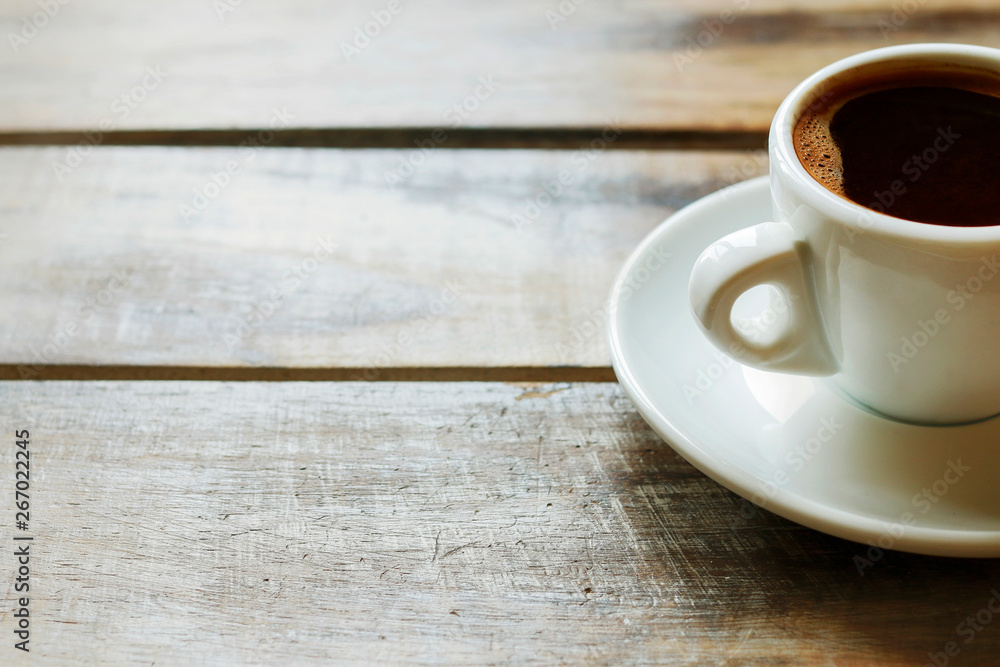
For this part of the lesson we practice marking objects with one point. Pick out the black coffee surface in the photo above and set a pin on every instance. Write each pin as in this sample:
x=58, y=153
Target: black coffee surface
x=929, y=154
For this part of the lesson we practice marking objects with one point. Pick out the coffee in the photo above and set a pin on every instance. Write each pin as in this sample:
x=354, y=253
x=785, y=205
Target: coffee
x=923, y=146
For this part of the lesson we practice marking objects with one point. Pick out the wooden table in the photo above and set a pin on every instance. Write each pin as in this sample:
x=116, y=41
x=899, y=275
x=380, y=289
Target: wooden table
x=315, y=371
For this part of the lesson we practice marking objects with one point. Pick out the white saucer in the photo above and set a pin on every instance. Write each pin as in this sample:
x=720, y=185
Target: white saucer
x=791, y=444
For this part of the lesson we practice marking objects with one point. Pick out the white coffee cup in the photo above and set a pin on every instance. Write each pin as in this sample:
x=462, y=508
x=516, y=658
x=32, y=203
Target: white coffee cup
x=903, y=316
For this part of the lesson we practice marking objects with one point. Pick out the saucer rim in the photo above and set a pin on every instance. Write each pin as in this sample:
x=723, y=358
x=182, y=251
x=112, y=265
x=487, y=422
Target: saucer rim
x=792, y=506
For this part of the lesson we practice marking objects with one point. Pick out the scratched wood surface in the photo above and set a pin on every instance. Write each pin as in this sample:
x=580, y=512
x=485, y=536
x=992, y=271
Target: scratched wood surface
x=308, y=261
x=473, y=523
x=684, y=64
x=338, y=522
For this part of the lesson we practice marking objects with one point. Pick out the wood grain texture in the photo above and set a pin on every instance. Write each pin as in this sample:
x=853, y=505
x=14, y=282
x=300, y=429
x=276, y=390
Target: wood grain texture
x=103, y=268
x=359, y=523
x=607, y=60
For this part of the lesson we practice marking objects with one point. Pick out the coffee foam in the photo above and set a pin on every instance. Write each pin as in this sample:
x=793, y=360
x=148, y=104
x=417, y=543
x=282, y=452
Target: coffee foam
x=817, y=150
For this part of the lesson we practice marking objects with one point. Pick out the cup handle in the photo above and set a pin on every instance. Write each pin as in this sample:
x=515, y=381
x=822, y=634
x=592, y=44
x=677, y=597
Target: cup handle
x=767, y=254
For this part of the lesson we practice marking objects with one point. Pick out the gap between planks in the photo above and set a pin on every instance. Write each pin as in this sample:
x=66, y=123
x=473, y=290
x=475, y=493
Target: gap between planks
x=553, y=374
x=475, y=138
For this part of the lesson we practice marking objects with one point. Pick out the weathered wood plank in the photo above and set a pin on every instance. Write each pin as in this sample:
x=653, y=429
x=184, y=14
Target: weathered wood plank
x=213, y=523
x=682, y=65
x=307, y=259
